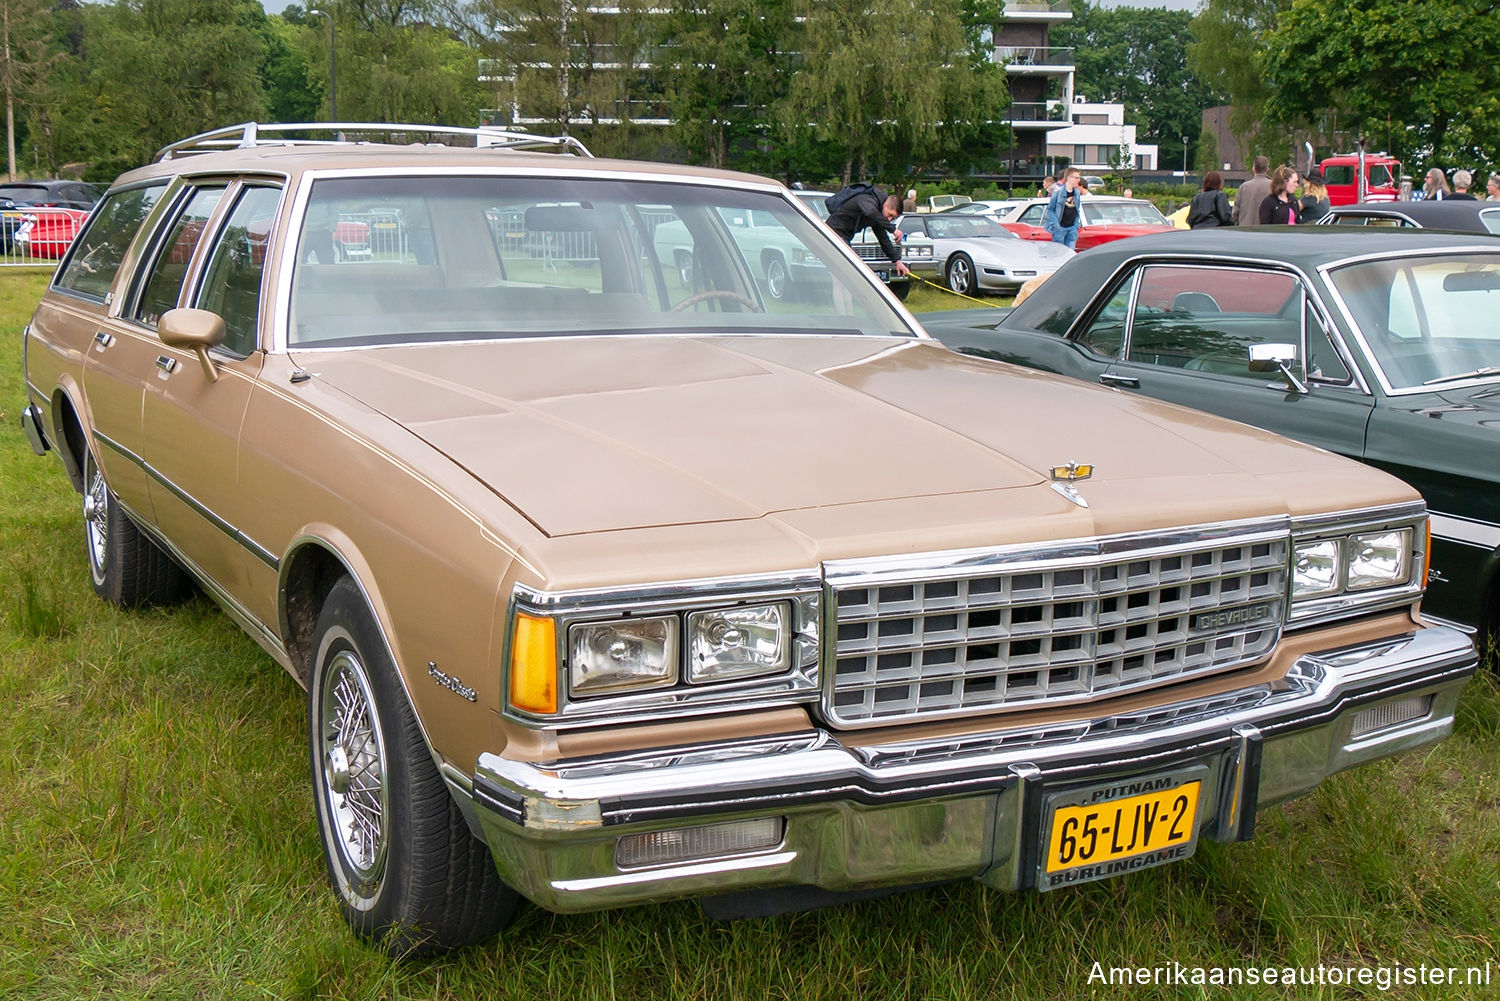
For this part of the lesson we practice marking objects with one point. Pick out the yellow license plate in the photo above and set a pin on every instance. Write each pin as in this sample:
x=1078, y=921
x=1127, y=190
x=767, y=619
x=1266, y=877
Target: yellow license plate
x=1128, y=825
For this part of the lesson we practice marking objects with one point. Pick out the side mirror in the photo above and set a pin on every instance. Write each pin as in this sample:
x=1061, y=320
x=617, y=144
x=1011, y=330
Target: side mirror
x=1277, y=358
x=195, y=330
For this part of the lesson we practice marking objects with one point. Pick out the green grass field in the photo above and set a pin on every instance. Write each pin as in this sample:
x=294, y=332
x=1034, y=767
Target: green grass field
x=157, y=841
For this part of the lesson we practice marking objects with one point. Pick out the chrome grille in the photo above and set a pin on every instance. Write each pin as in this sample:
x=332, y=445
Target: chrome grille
x=1051, y=632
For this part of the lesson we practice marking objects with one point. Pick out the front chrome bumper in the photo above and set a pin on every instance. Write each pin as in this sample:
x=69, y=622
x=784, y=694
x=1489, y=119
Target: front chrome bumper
x=921, y=811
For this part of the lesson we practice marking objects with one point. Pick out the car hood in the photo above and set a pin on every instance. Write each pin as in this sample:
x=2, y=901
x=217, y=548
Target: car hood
x=586, y=434
x=1011, y=253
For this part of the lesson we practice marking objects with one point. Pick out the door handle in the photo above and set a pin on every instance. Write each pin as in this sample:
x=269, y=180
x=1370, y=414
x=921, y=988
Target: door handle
x=1123, y=381
x=166, y=365
x=103, y=340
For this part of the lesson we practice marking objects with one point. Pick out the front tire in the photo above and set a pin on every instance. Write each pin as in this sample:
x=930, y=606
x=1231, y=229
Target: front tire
x=961, y=274
x=409, y=874
x=126, y=568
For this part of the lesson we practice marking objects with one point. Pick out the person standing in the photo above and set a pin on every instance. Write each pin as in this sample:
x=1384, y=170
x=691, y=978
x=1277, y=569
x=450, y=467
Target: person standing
x=1314, y=204
x=1210, y=207
x=1462, y=181
x=1048, y=183
x=1279, y=208
x=910, y=204
x=1252, y=193
x=1435, y=188
x=864, y=205
x=1063, y=215
x=1492, y=189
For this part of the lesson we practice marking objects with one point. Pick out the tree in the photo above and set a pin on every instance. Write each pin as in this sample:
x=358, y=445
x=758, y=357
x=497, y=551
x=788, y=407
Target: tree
x=891, y=82
x=1418, y=71
x=1138, y=58
x=1228, y=53
x=25, y=38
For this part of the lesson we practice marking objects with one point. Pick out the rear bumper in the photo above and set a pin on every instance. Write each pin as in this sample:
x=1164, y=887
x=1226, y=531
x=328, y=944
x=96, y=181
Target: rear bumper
x=863, y=817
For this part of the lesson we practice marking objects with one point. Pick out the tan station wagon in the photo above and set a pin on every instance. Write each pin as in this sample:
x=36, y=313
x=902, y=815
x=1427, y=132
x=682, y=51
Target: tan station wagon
x=613, y=580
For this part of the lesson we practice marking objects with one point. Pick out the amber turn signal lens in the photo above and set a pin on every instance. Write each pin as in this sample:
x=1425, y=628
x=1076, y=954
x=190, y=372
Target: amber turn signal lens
x=533, y=664
x=1426, y=552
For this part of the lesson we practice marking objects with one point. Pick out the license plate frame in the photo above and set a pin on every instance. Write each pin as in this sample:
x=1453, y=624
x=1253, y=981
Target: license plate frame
x=1113, y=803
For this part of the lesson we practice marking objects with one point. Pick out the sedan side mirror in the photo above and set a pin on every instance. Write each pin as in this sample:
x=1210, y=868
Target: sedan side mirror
x=1277, y=358
x=195, y=330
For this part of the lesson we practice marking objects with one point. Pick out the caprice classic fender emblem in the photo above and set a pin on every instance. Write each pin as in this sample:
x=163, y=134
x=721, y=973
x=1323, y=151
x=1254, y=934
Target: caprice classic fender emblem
x=1063, y=478
x=449, y=682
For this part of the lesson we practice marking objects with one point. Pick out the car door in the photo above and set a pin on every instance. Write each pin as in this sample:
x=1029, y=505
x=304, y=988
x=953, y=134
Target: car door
x=1190, y=330
x=193, y=417
x=119, y=355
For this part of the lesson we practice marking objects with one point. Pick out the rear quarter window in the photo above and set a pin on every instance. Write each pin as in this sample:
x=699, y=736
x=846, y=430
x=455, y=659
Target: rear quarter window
x=97, y=253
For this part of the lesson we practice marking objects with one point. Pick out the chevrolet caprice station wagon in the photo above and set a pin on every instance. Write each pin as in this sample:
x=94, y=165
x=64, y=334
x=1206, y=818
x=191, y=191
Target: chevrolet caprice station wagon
x=609, y=588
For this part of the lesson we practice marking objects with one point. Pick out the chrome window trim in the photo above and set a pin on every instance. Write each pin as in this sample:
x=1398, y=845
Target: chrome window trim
x=1325, y=272
x=302, y=193
x=210, y=242
x=128, y=261
x=800, y=684
x=127, y=304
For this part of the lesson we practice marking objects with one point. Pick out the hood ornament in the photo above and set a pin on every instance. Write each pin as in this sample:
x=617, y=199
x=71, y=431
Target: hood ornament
x=1063, y=478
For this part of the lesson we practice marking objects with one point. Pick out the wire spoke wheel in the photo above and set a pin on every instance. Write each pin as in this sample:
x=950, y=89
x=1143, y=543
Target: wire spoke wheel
x=352, y=756
x=96, y=521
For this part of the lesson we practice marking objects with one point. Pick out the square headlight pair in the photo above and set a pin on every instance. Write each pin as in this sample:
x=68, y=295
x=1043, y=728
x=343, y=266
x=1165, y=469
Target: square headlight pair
x=1358, y=562
x=644, y=653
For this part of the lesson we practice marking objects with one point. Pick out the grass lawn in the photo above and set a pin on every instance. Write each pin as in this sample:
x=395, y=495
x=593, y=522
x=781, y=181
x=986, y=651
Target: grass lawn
x=157, y=841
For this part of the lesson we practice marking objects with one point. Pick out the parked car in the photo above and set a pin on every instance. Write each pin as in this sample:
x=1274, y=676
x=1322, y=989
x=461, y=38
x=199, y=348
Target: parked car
x=1105, y=218
x=50, y=211
x=780, y=263
x=607, y=591
x=997, y=210
x=916, y=253
x=1386, y=352
x=1460, y=216
x=1381, y=176
x=975, y=253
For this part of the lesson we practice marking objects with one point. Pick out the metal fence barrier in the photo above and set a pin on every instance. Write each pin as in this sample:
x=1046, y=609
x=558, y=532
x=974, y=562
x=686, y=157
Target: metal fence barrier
x=37, y=237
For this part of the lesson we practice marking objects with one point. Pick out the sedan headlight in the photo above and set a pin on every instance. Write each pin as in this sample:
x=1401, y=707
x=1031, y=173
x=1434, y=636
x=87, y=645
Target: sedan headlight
x=1315, y=568
x=622, y=654
x=1378, y=559
x=742, y=642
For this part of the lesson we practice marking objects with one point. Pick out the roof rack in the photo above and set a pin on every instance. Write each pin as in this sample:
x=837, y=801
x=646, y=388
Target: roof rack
x=249, y=135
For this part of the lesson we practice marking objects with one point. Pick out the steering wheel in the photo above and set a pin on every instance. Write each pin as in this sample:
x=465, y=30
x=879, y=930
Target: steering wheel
x=717, y=293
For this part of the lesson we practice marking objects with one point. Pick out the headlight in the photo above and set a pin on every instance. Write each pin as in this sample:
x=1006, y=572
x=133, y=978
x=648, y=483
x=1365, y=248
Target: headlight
x=1378, y=559
x=624, y=654
x=740, y=642
x=1315, y=568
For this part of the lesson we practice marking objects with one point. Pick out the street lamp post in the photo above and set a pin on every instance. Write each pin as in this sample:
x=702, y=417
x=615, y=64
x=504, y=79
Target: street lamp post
x=1184, y=158
x=333, y=69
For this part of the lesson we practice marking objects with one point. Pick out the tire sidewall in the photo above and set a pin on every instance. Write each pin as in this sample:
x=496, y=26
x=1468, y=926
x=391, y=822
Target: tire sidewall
x=957, y=262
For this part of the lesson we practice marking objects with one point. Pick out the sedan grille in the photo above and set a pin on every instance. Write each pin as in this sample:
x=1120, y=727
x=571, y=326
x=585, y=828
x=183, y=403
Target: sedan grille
x=1051, y=632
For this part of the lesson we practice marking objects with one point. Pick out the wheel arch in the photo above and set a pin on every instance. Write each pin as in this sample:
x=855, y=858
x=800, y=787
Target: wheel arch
x=71, y=439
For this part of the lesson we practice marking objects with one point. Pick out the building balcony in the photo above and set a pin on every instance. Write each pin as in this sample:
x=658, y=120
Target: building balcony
x=1035, y=60
x=1036, y=11
x=1044, y=115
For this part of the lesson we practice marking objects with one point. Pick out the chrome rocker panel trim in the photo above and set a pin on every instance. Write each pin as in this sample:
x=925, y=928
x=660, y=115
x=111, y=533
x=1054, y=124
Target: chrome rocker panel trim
x=860, y=817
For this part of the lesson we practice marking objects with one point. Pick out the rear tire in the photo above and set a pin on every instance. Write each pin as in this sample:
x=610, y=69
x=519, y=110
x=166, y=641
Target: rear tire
x=409, y=874
x=126, y=568
x=778, y=282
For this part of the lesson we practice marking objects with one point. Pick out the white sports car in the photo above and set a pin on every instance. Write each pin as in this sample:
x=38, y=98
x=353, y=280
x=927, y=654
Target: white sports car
x=975, y=253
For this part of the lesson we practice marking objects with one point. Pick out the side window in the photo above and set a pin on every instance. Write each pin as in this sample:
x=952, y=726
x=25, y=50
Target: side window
x=97, y=253
x=915, y=226
x=1106, y=335
x=1033, y=215
x=231, y=283
x=165, y=282
x=1323, y=361
x=1204, y=319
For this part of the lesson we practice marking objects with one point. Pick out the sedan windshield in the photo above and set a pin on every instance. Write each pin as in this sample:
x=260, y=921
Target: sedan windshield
x=412, y=258
x=1428, y=320
x=967, y=228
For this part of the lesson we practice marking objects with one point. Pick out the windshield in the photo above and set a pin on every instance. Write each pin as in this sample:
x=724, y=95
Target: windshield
x=1426, y=319
x=410, y=258
x=966, y=228
x=1133, y=213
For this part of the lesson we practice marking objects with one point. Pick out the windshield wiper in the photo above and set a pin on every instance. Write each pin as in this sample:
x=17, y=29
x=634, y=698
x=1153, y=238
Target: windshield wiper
x=1476, y=373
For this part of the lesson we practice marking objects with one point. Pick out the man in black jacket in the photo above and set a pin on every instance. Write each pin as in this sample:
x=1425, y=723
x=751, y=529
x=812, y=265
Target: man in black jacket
x=871, y=207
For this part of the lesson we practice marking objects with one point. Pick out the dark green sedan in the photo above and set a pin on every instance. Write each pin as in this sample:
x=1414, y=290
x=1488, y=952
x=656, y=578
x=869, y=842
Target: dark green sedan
x=1386, y=349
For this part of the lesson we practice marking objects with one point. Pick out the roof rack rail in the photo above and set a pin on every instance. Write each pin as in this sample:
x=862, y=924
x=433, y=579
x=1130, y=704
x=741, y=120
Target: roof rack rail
x=248, y=135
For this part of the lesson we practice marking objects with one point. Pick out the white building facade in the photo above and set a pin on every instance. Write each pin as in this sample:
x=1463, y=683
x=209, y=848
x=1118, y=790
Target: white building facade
x=1096, y=139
